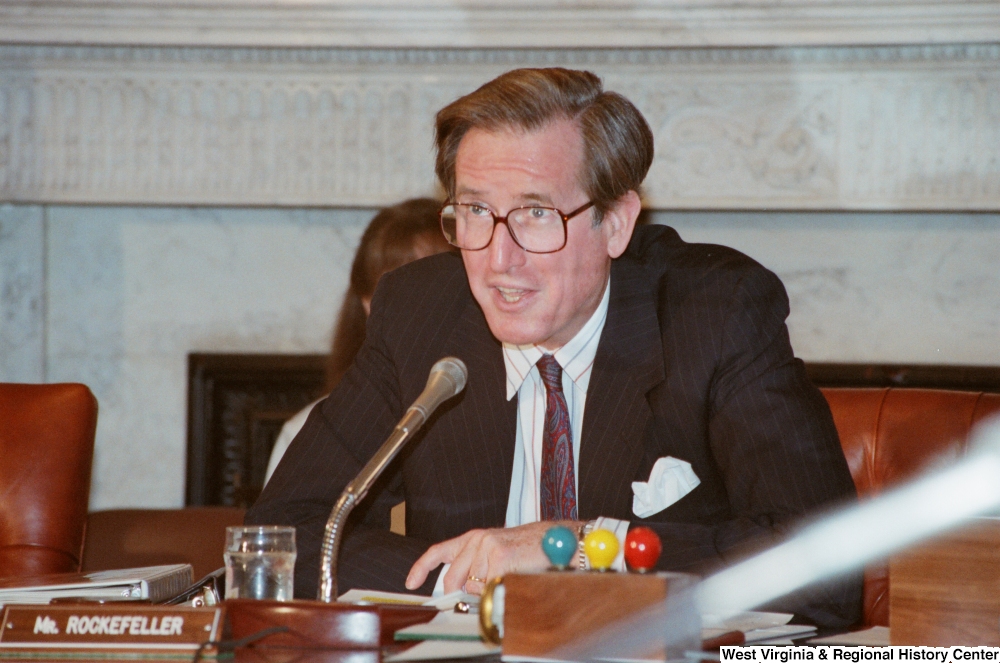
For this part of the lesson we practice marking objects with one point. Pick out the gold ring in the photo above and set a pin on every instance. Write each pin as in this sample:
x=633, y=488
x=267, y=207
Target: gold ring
x=475, y=579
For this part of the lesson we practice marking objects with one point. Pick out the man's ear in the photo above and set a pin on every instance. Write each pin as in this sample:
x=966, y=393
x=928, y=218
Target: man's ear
x=619, y=222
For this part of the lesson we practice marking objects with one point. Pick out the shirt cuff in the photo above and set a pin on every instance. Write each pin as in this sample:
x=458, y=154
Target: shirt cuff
x=439, y=585
x=620, y=529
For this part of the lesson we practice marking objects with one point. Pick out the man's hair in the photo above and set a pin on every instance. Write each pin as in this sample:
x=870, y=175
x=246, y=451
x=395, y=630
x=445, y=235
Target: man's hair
x=617, y=142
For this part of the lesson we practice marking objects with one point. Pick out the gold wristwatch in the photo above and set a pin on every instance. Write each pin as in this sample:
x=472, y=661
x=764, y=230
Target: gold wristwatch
x=581, y=558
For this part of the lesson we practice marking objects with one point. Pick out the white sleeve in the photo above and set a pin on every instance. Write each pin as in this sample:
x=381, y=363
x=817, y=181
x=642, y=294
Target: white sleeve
x=439, y=585
x=285, y=437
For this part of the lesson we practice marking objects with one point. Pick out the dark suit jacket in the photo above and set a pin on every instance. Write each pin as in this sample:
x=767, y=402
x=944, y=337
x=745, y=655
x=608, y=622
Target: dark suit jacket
x=694, y=362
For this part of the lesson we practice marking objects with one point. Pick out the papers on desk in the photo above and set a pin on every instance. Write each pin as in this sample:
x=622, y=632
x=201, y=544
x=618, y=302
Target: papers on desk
x=443, y=649
x=376, y=597
x=448, y=635
x=444, y=626
x=454, y=635
x=150, y=583
x=446, y=602
x=876, y=636
x=758, y=627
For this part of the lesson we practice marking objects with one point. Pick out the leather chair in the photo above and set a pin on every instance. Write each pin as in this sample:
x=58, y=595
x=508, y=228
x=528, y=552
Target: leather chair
x=125, y=538
x=46, y=451
x=891, y=435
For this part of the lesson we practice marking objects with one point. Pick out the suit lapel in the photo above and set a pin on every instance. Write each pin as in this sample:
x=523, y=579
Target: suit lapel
x=486, y=429
x=628, y=364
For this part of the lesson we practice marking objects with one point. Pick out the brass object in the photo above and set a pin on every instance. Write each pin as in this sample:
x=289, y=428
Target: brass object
x=489, y=630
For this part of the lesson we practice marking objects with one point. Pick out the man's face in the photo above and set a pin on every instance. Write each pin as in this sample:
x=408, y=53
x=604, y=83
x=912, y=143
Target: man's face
x=531, y=297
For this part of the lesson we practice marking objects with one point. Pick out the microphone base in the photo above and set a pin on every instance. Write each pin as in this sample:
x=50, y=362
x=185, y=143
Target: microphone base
x=319, y=625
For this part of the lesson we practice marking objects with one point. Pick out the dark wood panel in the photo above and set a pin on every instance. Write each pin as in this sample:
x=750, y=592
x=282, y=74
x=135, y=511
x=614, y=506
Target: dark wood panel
x=237, y=404
x=925, y=376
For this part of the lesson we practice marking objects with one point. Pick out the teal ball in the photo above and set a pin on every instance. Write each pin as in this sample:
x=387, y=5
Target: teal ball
x=559, y=545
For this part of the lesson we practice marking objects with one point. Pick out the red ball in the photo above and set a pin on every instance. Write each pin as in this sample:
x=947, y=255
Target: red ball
x=642, y=549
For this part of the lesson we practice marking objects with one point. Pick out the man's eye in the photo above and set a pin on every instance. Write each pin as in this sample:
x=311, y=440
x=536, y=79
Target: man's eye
x=541, y=213
x=478, y=210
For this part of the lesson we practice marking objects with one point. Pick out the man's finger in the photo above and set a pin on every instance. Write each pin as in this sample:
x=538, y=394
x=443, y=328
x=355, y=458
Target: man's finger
x=461, y=565
x=436, y=555
x=480, y=572
x=455, y=579
x=479, y=575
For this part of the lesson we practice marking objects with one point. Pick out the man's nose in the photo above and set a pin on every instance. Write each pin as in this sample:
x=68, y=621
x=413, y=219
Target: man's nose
x=504, y=251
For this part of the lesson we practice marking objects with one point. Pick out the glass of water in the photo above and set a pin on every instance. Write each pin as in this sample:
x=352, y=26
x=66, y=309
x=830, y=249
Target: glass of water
x=260, y=562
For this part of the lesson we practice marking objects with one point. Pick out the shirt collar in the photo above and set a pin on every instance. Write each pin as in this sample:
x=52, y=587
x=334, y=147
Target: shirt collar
x=576, y=357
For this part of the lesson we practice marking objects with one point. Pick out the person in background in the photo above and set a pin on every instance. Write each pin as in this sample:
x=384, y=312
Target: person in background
x=396, y=236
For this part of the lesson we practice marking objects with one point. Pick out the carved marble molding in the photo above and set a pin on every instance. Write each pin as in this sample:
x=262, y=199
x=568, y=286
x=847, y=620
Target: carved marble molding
x=867, y=128
x=508, y=24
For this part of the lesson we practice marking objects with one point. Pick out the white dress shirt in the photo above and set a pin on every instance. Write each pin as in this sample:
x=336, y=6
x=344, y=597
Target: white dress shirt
x=576, y=359
x=523, y=380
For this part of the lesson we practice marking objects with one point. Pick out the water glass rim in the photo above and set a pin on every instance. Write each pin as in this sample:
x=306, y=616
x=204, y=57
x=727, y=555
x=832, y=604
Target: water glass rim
x=260, y=538
x=260, y=528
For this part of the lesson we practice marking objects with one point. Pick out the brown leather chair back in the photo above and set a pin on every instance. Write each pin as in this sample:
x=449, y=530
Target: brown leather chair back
x=124, y=538
x=890, y=435
x=46, y=450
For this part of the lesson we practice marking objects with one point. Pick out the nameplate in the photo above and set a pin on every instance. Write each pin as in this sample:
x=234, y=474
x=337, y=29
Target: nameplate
x=118, y=627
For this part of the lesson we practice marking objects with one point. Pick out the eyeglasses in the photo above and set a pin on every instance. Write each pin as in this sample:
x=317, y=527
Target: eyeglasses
x=534, y=229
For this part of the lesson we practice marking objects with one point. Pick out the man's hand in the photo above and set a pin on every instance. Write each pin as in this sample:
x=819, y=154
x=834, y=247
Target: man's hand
x=485, y=554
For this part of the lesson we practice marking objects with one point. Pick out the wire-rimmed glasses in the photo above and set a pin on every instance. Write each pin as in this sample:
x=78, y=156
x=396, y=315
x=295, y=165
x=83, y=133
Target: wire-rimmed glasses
x=534, y=228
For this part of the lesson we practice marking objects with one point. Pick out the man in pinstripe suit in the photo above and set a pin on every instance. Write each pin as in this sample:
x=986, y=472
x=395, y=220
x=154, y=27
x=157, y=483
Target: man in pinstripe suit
x=663, y=352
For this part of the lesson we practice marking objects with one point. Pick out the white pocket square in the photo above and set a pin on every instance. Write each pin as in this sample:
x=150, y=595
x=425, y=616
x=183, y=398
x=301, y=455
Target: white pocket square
x=670, y=480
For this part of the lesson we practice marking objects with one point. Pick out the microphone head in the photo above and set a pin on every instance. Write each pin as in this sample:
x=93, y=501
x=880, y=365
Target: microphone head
x=454, y=370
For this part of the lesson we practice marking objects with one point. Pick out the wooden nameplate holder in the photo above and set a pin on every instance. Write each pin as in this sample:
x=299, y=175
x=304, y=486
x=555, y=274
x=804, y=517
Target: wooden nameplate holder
x=318, y=625
x=947, y=592
x=545, y=611
x=91, y=628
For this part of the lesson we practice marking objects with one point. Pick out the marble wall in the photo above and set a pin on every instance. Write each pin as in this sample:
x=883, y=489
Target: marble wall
x=22, y=294
x=892, y=288
x=846, y=128
x=116, y=297
x=123, y=294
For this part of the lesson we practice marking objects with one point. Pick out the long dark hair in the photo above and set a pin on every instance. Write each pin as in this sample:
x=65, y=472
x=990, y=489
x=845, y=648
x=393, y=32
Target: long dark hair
x=397, y=235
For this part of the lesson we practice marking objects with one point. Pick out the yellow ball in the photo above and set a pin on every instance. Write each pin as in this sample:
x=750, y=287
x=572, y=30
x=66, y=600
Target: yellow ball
x=601, y=547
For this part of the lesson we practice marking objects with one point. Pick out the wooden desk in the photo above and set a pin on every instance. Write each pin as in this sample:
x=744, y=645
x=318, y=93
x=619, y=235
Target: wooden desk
x=947, y=592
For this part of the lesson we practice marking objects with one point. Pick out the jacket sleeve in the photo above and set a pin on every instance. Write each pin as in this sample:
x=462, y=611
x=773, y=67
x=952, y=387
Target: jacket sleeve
x=338, y=438
x=774, y=443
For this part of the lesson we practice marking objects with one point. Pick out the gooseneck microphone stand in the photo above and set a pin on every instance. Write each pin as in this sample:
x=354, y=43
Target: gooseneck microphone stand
x=447, y=378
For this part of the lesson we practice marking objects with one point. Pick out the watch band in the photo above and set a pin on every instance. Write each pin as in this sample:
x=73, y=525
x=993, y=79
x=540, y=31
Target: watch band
x=581, y=560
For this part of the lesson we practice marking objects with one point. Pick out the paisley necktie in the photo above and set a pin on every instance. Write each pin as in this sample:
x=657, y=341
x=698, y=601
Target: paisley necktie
x=558, y=481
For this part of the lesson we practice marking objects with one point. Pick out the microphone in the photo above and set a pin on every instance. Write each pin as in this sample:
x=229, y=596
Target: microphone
x=447, y=378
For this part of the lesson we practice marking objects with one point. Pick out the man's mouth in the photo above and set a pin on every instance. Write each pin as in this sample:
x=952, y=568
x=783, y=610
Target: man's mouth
x=511, y=295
